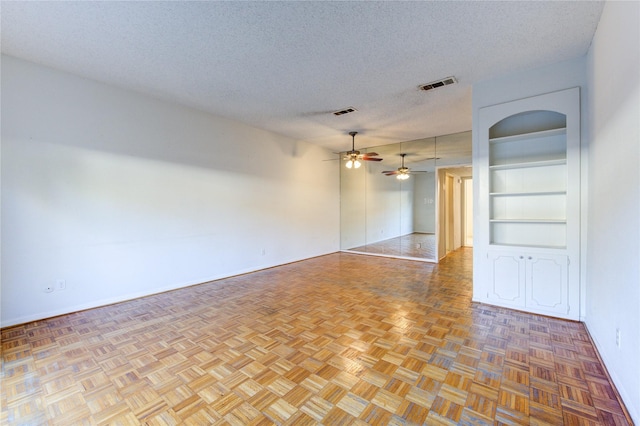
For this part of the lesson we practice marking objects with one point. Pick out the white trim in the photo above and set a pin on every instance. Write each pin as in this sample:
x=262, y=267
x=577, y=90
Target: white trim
x=137, y=295
x=632, y=408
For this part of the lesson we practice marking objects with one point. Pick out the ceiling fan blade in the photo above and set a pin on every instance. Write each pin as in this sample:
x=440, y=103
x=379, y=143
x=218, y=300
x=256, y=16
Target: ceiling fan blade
x=390, y=173
x=370, y=154
x=371, y=159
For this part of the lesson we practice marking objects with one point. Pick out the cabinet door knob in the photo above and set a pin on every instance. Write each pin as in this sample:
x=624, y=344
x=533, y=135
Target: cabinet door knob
x=530, y=257
x=521, y=257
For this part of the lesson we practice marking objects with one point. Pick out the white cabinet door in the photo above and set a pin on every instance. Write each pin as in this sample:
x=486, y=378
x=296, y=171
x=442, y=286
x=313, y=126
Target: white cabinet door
x=535, y=282
x=507, y=279
x=547, y=283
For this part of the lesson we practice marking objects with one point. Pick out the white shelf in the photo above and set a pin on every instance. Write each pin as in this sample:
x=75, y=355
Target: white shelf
x=551, y=221
x=528, y=164
x=531, y=246
x=527, y=176
x=524, y=136
x=530, y=193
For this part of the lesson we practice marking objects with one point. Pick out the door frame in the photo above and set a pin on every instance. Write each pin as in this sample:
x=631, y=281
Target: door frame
x=450, y=202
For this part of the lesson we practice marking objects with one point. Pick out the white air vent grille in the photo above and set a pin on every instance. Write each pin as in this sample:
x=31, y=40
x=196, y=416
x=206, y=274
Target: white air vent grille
x=345, y=111
x=438, y=83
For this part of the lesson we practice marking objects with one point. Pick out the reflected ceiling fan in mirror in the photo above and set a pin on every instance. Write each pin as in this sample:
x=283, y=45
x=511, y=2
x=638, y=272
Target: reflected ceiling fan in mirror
x=403, y=172
x=354, y=157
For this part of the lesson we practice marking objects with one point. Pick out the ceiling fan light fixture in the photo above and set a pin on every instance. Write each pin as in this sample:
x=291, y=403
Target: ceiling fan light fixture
x=403, y=176
x=353, y=157
x=353, y=164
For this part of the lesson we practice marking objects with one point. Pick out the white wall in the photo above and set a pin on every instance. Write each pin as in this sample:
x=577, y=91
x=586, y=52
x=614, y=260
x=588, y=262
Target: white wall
x=389, y=206
x=122, y=195
x=613, y=238
x=424, y=201
x=407, y=220
x=353, y=203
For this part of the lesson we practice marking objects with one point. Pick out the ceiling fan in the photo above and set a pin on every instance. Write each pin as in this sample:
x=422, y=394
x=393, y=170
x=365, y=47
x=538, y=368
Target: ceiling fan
x=353, y=157
x=403, y=172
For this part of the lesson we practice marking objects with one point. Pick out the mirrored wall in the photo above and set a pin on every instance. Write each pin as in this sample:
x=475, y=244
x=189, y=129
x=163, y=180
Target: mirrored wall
x=386, y=216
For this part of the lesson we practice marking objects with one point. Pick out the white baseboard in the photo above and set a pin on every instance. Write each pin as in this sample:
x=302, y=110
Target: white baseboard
x=123, y=298
x=631, y=406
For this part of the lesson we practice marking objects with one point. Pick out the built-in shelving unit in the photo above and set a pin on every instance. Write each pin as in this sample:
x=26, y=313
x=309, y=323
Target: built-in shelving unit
x=527, y=174
x=529, y=203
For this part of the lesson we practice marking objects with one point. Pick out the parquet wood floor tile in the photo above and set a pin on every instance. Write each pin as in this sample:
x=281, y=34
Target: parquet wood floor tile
x=339, y=339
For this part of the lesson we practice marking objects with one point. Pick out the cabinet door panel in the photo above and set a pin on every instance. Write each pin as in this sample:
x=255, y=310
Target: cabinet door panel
x=507, y=279
x=547, y=283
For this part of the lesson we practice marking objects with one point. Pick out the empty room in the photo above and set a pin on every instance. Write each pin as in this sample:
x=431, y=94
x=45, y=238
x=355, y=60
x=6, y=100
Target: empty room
x=273, y=212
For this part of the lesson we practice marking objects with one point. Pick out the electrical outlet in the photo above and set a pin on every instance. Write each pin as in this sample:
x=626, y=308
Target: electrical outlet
x=61, y=284
x=618, y=338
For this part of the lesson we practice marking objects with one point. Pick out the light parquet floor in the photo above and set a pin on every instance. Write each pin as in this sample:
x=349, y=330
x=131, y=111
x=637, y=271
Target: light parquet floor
x=338, y=339
x=416, y=245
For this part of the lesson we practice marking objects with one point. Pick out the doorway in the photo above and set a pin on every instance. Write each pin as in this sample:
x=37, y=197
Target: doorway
x=455, y=209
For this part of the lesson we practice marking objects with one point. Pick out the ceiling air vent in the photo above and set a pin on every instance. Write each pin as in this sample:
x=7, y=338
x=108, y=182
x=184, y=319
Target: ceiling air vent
x=438, y=83
x=345, y=111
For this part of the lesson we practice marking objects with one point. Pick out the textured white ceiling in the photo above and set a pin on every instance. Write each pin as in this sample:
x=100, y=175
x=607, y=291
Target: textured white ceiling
x=285, y=66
